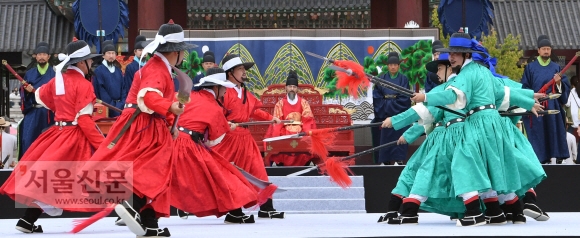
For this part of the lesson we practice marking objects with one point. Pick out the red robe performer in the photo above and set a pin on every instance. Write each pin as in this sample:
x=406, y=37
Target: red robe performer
x=59, y=151
x=292, y=108
x=141, y=135
x=204, y=183
x=238, y=146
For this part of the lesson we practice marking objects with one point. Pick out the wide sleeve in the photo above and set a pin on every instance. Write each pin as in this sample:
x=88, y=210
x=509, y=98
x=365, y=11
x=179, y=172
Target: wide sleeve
x=308, y=122
x=217, y=128
x=523, y=98
x=89, y=127
x=257, y=112
x=413, y=133
x=564, y=89
x=150, y=97
x=44, y=95
x=275, y=129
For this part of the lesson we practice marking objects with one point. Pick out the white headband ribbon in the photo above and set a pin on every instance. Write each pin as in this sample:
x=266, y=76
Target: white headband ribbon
x=59, y=84
x=159, y=40
x=231, y=63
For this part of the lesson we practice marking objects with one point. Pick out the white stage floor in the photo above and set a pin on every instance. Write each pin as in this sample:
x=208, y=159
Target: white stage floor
x=309, y=225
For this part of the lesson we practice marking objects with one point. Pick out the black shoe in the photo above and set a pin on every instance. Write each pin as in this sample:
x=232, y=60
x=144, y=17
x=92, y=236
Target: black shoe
x=270, y=214
x=131, y=217
x=156, y=232
x=453, y=218
x=519, y=219
x=239, y=219
x=119, y=222
x=404, y=220
x=182, y=214
x=533, y=211
x=389, y=216
x=27, y=227
x=496, y=219
x=509, y=217
x=493, y=214
x=476, y=220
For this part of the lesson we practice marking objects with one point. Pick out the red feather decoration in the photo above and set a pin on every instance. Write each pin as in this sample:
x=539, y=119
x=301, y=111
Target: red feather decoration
x=351, y=82
x=80, y=224
x=338, y=171
x=318, y=140
x=266, y=193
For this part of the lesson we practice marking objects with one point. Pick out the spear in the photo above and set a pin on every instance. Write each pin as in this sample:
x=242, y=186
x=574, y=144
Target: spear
x=320, y=131
x=253, y=123
x=353, y=84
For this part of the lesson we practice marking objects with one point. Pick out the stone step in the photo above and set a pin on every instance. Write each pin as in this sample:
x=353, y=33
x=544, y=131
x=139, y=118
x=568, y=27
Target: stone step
x=318, y=204
x=321, y=193
x=311, y=181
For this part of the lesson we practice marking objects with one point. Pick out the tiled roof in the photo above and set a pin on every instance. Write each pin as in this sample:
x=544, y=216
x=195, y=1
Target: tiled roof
x=223, y=5
x=558, y=19
x=25, y=23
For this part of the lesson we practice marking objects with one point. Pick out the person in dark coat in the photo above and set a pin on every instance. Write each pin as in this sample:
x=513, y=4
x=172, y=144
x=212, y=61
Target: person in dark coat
x=108, y=81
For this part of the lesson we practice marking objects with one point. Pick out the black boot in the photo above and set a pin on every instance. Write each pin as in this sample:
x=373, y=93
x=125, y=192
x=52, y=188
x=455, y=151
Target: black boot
x=26, y=223
x=507, y=211
x=517, y=211
x=473, y=215
x=493, y=214
x=408, y=216
x=532, y=210
x=238, y=217
x=182, y=214
x=267, y=211
x=392, y=209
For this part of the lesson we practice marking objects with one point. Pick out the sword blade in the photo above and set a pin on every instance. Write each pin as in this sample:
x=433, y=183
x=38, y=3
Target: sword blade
x=277, y=138
x=256, y=181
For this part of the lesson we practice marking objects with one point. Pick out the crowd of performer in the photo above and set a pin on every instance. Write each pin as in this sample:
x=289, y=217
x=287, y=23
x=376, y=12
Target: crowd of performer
x=477, y=168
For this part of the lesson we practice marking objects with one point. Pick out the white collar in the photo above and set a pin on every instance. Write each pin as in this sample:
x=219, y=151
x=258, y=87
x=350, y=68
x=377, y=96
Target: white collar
x=164, y=60
x=211, y=91
x=451, y=76
x=111, y=67
x=292, y=102
x=76, y=69
x=239, y=90
x=467, y=61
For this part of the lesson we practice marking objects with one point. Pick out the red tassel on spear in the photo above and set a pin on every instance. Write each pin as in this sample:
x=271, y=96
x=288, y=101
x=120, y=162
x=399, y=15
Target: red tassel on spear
x=552, y=82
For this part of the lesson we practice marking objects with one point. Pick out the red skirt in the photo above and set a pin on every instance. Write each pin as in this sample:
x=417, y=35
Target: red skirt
x=147, y=143
x=238, y=146
x=206, y=184
x=57, y=148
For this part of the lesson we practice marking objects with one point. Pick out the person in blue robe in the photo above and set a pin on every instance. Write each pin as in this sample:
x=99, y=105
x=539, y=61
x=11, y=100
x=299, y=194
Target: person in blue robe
x=36, y=117
x=208, y=62
x=108, y=81
x=547, y=134
x=388, y=103
x=133, y=67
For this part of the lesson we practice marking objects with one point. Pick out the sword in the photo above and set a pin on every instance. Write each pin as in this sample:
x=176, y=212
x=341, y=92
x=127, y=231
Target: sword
x=4, y=161
x=308, y=133
x=379, y=81
x=252, y=123
x=511, y=114
x=546, y=98
x=109, y=106
x=24, y=83
x=256, y=181
x=185, y=86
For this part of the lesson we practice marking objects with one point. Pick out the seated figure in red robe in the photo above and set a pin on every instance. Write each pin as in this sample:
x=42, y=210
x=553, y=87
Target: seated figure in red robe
x=298, y=110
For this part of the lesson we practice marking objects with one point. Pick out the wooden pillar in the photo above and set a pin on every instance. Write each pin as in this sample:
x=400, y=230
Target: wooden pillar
x=133, y=25
x=409, y=10
x=151, y=14
x=383, y=13
x=176, y=10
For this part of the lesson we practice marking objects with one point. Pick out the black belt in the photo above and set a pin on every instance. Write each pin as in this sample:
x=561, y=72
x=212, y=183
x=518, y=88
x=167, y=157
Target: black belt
x=131, y=105
x=456, y=120
x=37, y=106
x=438, y=124
x=117, y=100
x=390, y=96
x=65, y=123
x=195, y=136
x=481, y=108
